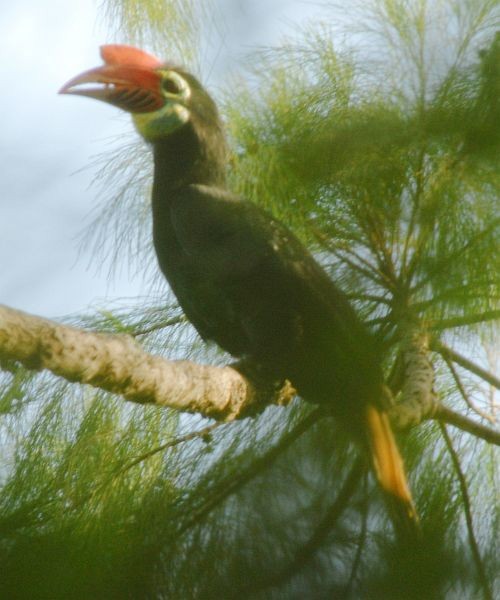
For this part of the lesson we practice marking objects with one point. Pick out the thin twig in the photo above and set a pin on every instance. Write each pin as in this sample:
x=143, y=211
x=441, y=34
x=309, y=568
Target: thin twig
x=464, y=362
x=454, y=256
x=162, y=325
x=468, y=514
x=237, y=481
x=446, y=415
x=200, y=433
x=454, y=292
x=366, y=272
x=464, y=393
x=439, y=324
x=410, y=266
x=320, y=533
x=385, y=320
x=374, y=231
x=370, y=226
x=359, y=550
x=120, y=470
x=31, y=511
x=370, y=298
x=380, y=269
x=415, y=260
x=418, y=174
x=370, y=271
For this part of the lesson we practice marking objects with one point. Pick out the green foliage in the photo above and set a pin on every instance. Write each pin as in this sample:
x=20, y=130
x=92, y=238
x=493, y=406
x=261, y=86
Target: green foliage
x=146, y=22
x=377, y=141
x=377, y=174
x=74, y=493
x=119, y=231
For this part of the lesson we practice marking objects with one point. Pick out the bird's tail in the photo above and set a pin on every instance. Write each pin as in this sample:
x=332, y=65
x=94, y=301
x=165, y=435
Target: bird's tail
x=389, y=468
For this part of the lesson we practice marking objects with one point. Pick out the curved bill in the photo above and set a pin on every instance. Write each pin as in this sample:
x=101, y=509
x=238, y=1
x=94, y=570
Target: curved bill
x=129, y=80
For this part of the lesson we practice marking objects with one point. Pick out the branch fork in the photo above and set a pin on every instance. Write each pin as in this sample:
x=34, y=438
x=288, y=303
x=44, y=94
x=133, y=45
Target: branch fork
x=118, y=364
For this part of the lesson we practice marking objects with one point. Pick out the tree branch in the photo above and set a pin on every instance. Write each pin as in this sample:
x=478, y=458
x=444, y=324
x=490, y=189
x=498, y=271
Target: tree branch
x=418, y=398
x=464, y=394
x=319, y=535
x=448, y=353
x=236, y=481
x=162, y=325
x=121, y=469
x=439, y=324
x=446, y=415
x=118, y=364
x=348, y=592
x=476, y=555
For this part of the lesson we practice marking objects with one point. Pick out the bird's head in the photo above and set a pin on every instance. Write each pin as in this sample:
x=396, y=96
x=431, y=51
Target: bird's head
x=160, y=97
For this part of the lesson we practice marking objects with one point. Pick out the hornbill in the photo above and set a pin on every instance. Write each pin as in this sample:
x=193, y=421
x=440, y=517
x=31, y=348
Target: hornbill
x=241, y=277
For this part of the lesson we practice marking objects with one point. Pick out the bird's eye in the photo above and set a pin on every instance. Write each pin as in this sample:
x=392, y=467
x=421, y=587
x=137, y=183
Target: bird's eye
x=170, y=86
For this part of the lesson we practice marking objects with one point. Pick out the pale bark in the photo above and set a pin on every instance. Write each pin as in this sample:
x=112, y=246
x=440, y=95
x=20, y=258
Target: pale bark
x=418, y=399
x=117, y=363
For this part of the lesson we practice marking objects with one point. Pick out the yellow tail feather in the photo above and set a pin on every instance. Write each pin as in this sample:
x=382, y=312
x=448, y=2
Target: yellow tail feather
x=388, y=464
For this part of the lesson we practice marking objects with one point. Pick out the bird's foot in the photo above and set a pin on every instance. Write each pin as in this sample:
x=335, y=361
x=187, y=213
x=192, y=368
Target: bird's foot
x=269, y=388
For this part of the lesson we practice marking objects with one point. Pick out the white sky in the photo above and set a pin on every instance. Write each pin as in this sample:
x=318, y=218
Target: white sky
x=46, y=140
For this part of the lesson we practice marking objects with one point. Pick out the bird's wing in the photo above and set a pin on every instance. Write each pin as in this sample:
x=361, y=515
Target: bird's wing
x=245, y=267
x=232, y=239
x=226, y=236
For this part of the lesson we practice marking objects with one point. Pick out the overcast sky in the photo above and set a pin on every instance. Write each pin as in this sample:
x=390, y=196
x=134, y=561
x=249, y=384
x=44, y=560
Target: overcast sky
x=47, y=141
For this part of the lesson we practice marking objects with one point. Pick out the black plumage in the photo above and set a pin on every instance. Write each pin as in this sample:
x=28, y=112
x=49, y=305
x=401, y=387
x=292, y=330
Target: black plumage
x=245, y=282
x=242, y=278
